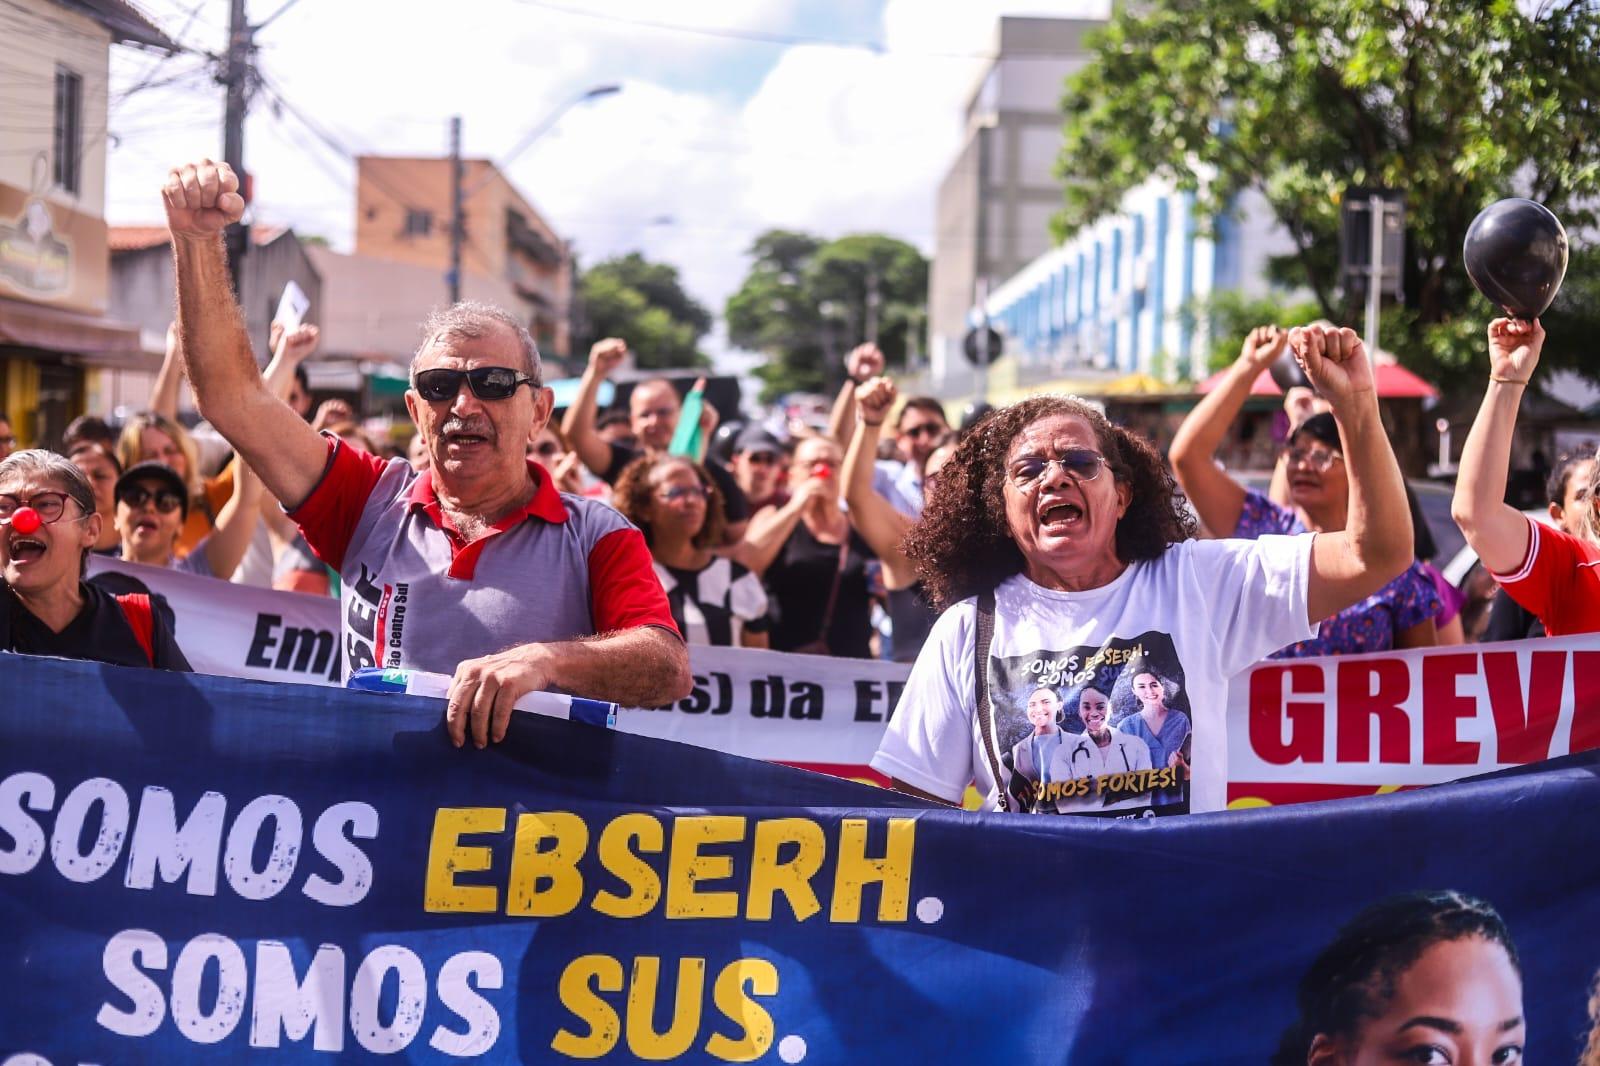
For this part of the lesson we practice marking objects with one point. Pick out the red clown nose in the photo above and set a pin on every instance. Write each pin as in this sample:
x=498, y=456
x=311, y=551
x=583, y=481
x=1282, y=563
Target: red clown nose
x=26, y=521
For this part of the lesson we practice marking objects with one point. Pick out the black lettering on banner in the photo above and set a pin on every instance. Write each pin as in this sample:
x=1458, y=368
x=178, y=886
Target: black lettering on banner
x=315, y=647
x=700, y=699
x=263, y=641
x=361, y=620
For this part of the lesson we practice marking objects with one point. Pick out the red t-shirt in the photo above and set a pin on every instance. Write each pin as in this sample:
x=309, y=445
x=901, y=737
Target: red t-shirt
x=1559, y=581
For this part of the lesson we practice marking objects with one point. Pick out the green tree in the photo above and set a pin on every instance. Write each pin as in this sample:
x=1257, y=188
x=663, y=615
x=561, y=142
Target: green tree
x=1456, y=102
x=806, y=302
x=645, y=304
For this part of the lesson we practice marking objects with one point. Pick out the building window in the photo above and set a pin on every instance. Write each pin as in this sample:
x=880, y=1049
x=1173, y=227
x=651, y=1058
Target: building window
x=68, y=130
x=418, y=223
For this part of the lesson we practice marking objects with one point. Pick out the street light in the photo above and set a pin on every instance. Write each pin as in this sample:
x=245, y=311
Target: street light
x=459, y=193
x=544, y=126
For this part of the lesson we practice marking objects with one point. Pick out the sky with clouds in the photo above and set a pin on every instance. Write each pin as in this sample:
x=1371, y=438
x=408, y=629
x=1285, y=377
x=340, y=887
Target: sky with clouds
x=735, y=116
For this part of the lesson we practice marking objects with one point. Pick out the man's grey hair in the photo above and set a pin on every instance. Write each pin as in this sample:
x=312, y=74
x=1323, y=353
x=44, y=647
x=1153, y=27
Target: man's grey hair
x=472, y=319
x=54, y=469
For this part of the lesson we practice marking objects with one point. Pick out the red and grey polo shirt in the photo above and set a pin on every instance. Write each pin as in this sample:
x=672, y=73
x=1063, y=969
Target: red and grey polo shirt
x=418, y=595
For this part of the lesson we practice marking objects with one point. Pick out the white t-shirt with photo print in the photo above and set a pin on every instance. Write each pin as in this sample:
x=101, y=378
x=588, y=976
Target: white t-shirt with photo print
x=1203, y=612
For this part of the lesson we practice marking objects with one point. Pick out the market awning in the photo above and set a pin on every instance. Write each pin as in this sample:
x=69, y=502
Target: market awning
x=1394, y=382
x=86, y=339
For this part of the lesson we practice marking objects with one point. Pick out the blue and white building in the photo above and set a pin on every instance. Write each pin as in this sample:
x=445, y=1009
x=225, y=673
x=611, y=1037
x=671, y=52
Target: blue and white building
x=1118, y=297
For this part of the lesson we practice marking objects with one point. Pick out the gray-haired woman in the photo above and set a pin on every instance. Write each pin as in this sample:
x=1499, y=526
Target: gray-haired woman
x=48, y=525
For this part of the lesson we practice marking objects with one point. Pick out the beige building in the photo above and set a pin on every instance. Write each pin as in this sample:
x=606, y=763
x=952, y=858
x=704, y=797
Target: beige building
x=510, y=252
x=56, y=342
x=996, y=200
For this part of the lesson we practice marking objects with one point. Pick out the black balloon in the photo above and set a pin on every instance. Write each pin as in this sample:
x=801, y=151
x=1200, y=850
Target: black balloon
x=1516, y=254
x=1286, y=371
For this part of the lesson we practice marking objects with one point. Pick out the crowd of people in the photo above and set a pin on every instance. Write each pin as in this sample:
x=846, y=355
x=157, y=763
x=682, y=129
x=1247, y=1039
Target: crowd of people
x=1074, y=603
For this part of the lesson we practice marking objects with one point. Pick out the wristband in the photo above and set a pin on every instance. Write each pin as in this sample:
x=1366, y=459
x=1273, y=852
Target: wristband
x=1507, y=381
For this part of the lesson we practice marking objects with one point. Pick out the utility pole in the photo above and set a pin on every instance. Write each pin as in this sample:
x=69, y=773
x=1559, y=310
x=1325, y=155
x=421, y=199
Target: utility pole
x=457, y=223
x=236, y=79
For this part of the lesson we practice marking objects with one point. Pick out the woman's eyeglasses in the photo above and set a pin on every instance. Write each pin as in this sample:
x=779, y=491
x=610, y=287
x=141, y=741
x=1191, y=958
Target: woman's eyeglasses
x=49, y=505
x=486, y=382
x=679, y=492
x=1318, y=459
x=547, y=448
x=166, y=501
x=1082, y=464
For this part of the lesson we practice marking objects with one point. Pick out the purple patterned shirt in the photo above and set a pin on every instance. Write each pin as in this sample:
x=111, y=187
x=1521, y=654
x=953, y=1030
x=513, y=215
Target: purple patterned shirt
x=1370, y=625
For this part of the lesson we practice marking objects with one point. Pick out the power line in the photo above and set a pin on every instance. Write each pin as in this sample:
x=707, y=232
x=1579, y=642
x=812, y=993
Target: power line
x=752, y=36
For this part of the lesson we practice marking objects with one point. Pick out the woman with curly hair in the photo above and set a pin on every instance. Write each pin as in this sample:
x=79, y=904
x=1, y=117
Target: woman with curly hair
x=675, y=503
x=1429, y=977
x=1057, y=543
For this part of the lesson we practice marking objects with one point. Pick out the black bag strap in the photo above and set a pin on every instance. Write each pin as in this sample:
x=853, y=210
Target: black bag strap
x=980, y=670
x=833, y=593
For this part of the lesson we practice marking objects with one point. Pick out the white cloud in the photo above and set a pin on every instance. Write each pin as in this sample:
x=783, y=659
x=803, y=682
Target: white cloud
x=834, y=140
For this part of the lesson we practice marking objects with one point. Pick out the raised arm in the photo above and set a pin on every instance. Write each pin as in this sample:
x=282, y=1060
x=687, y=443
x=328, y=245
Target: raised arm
x=880, y=525
x=644, y=667
x=290, y=348
x=1497, y=531
x=1217, y=498
x=201, y=199
x=169, y=379
x=236, y=523
x=864, y=363
x=1375, y=545
x=770, y=529
x=578, y=425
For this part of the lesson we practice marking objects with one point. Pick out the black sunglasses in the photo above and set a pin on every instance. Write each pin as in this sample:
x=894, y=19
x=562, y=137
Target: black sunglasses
x=137, y=496
x=486, y=382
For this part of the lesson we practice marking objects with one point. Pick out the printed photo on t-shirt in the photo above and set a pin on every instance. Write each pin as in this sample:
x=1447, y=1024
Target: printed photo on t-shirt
x=1094, y=730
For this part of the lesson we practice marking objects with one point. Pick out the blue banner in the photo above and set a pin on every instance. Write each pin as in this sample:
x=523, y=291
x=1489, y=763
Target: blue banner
x=206, y=869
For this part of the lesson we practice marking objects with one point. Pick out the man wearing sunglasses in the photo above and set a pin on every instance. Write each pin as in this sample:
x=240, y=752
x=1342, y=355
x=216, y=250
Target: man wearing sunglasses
x=476, y=567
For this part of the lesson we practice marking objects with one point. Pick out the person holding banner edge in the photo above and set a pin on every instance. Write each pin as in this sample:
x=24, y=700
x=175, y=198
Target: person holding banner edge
x=1552, y=573
x=572, y=602
x=1058, y=545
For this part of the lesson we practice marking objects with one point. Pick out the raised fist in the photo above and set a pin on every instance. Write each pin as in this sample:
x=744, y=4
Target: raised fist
x=606, y=354
x=1262, y=346
x=298, y=343
x=873, y=400
x=1334, y=359
x=864, y=361
x=201, y=199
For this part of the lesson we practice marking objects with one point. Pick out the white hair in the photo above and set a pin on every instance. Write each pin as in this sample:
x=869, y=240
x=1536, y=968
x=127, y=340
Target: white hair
x=473, y=319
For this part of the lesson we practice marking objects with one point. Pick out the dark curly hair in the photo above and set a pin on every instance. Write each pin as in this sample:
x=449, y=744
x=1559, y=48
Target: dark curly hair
x=1355, y=976
x=962, y=546
x=633, y=494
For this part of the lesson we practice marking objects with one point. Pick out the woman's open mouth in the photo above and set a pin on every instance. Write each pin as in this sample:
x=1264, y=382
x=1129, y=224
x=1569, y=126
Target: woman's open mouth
x=25, y=550
x=1061, y=516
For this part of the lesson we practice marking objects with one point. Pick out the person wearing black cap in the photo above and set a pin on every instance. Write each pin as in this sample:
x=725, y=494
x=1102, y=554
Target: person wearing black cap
x=152, y=506
x=1401, y=614
x=758, y=467
x=48, y=525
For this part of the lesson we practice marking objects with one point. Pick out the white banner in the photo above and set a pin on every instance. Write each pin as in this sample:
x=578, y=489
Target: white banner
x=1311, y=728
x=240, y=630
x=805, y=710
x=1298, y=729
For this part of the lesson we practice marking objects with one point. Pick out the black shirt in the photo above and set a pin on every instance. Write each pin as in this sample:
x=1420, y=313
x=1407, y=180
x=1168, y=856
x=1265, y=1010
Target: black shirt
x=100, y=632
x=912, y=617
x=799, y=582
x=1509, y=620
x=735, y=507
